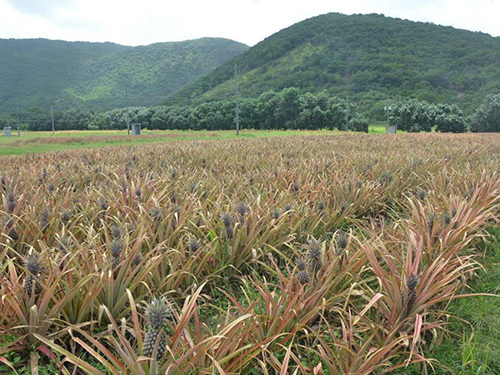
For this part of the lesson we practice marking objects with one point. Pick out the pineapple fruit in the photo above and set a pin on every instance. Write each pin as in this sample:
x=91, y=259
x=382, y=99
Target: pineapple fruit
x=157, y=312
x=316, y=255
x=32, y=284
x=302, y=276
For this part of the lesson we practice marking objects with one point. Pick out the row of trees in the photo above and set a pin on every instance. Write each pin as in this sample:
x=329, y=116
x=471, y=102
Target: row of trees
x=416, y=116
x=487, y=117
x=287, y=109
x=40, y=119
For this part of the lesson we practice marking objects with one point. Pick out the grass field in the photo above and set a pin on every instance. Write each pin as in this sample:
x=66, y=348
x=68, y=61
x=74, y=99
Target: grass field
x=36, y=142
x=275, y=253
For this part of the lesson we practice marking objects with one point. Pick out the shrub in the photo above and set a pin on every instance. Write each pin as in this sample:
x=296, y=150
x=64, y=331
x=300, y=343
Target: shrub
x=358, y=124
x=487, y=116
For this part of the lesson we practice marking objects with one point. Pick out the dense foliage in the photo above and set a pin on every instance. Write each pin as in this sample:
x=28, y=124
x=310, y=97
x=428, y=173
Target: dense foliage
x=416, y=116
x=372, y=58
x=487, y=117
x=94, y=76
x=293, y=255
x=287, y=109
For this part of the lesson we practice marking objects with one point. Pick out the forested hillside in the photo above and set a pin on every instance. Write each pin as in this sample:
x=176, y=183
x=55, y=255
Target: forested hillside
x=94, y=76
x=372, y=58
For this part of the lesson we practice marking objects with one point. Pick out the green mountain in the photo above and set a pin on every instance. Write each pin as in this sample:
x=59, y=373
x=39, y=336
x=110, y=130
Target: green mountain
x=94, y=76
x=372, y=58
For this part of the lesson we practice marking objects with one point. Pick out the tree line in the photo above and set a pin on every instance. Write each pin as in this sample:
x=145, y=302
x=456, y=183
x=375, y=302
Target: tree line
x=286, y=109
x=416, y=116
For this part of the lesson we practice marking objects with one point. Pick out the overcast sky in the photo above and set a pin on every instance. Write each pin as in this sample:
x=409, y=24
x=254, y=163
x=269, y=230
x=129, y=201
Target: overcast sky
x=134, y=22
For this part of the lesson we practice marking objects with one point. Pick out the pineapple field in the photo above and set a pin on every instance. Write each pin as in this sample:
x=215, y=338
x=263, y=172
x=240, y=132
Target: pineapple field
x=319, y=254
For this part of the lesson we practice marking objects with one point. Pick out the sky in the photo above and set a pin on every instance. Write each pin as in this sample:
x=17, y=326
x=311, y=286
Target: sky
x=139, y=22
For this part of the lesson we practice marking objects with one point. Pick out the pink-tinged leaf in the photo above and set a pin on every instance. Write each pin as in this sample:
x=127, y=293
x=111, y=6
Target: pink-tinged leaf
x=374, y=300
x=284, y=367
x=416, y=334
x=45, y=350
x=318, y=370
x=221, y=371
x=7, y=363
x=70, y=356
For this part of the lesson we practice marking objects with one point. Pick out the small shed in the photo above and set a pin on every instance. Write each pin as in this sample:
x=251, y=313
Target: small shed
x=391, y=129
x=7, y=131
x=136, y=129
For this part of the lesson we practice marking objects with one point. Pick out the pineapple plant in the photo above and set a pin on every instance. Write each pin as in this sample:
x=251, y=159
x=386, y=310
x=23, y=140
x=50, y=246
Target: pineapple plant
x=11, y=202
x=342, y=241
x=137, y=259
x=321, y=206
x=44, y=222
x=157, y=216
x=227, y=220
x=431, y=220
x=421, y=194
x=302, y=275
x=11, y=230
x=32, y=286
x=157, y=312
x=104, y=204
x=411, y=290
x=66, y=216
x=116, y=251
x=447, y=218
x=116, y=232
x=343, y=207
x=316, y=255
x=242, y=209
x=194, y=245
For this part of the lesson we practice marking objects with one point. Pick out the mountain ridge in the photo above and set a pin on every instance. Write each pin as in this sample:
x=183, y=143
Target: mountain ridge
x=95, y=75
x=372, y=58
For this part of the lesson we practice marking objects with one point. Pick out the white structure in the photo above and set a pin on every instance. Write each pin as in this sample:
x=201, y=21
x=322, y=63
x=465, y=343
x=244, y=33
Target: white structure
x=136, y=129
x=391, y=129
x=6, y=131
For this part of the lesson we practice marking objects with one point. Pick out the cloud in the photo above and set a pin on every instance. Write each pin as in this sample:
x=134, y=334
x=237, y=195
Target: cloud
x=135, y=22
x=40, y=7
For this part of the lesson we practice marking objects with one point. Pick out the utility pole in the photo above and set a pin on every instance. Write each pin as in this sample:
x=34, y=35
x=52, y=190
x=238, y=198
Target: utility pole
x=52, y=115
x=347, y=113
x=128, y=118
x=236, y=100
x=17, y=118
